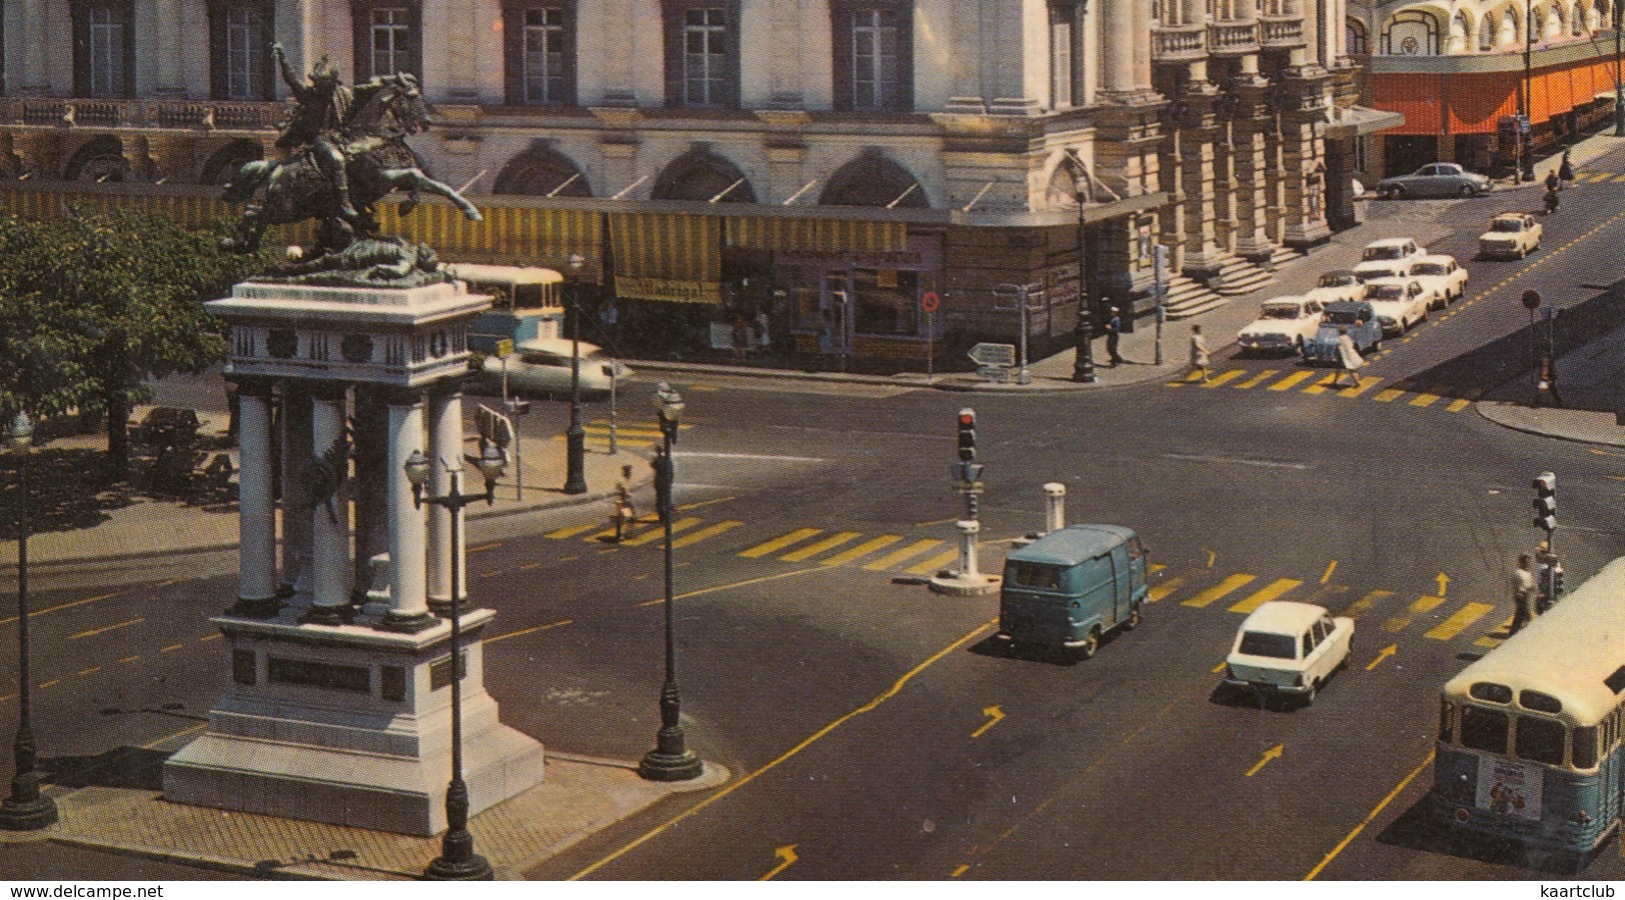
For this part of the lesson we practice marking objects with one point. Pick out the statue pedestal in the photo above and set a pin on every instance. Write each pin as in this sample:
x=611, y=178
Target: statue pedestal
x=350, y=725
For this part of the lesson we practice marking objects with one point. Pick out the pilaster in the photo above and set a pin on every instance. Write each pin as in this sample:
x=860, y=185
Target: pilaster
x=1252, y=121
x=1303, y=156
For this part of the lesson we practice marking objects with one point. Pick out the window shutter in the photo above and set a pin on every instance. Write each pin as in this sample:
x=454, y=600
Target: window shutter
x=841, y=31
x=361, y=31
x=268, y=72
x=415, y=40
x=905, y=57
x=673, y=12
x=217, y=50
x=126, y=14
x=513, y=48
x=571, y=57
x=735, y=37
x=81, y=49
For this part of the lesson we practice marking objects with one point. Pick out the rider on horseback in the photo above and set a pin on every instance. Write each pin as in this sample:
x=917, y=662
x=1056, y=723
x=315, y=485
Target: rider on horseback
x=324, y=106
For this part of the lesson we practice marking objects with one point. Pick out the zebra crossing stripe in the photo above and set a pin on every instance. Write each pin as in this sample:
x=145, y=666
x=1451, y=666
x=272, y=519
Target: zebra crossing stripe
x=1321, y=386
x=1493, y=642
x=1367, y=382
x=1164, y=589
x=1389, y=395
x=1254, y=381
x=572, y=531
x=1223, y=377
x=1286, y=383
x=1219, y=590
x=932, y=565
x=1259, y=598
x=707, y=532
x=1358, y=607
x=780, y=542
x=1424, y=399
x=861, y=550
x=1454, y=625
x=897, y=557
x=813, y=549
x=656, y=532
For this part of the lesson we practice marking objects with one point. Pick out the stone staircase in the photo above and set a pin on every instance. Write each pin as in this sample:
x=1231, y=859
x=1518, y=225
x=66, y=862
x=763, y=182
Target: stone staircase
x=1187, y=297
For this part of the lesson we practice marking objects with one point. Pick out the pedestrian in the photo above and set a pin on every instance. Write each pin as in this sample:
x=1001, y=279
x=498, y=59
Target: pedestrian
x=1349, y=361
x=625, y=513
x=1114, y=333
x=1553, y=182
x=826, y=334
x=1524, y=589
x=1546, y=385
x=741, y=337
x=764, y=334
x=1199, y=352
x=1565, y=171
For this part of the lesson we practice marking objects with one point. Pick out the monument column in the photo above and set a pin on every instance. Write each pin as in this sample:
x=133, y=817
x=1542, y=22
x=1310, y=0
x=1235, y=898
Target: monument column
x=408, y=597
x=330, y=519
x=296, y=454
x=256, y=503
x=445, y=450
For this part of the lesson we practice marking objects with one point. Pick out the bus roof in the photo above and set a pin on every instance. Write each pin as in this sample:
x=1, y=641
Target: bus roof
x=1072, y=545
x=1571, y=651
x=476, y=273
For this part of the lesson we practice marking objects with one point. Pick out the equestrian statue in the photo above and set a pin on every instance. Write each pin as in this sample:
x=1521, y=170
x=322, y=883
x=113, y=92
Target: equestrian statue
x=346, y=151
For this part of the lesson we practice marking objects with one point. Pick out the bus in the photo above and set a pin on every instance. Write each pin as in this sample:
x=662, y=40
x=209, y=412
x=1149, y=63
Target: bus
x=1529, y=735
x=527, y=303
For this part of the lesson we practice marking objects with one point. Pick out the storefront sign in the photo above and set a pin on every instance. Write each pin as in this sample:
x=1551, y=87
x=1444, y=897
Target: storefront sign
x=668, y=289
x=855, y=259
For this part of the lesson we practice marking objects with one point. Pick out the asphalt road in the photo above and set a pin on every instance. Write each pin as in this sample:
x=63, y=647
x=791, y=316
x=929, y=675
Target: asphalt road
x=875, y=730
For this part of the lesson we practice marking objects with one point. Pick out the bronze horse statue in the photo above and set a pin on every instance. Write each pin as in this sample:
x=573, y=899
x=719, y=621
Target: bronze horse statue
x=377, y=160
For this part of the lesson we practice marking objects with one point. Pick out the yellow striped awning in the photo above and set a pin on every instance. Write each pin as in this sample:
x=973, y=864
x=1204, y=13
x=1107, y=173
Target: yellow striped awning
x=509, y=235
x=195, y=210
x=667, y=256
x=820, y=235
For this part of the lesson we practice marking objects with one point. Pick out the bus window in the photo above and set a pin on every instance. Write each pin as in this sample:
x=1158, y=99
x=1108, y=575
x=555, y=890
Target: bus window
x=1539, y=702
x=1445, y=709
x=1540, y=740
x=1484, y=729
x=1489, y=690
x=1584, y=754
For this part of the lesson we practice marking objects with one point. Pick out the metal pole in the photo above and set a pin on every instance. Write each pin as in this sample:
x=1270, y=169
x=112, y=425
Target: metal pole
x=1159, y=256
x=575, y=478
x=930, y=347
x=26, y=809
x=614, y=430
x=1022, y=375
x=1526, y=142
x=1083, y=362
x=1534, y=356
x=671, y=760
x=518, y=459
x=1619, y=78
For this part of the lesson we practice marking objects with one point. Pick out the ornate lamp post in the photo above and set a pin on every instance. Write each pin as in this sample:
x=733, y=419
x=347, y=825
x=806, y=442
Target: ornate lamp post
x=457, y=860
x=670, y=760
x=575, y=478
x=1083, y=363
x=26, y=809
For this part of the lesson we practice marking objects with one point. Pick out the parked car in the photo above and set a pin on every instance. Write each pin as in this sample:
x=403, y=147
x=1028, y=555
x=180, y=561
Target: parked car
x=1440, y=274
x=1398, y=302
x=165, y=425
x=1511, y=236
x=1401, y=250
x=1289, y=648
x=1360, y=320
x=1440, y=179
x=1338, y=284
x=542, y=366
x=1282, y=326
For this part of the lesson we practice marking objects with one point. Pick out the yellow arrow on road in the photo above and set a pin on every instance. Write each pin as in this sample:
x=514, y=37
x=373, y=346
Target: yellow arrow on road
x=786, y=853
x=1382, y=654
x=994, y=714
x=1443, y=580
x=1272, y=753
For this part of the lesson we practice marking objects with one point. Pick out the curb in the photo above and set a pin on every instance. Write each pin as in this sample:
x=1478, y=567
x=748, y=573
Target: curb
x=1485, y=410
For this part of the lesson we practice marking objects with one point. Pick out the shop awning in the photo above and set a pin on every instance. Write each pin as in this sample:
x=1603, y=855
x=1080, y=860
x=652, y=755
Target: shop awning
x=1356, y=121
x=509, y=235
x=821, y=235
x=667, y=256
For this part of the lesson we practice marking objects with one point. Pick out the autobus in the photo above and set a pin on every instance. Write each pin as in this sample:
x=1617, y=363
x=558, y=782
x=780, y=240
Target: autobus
x=1529, y=735
x=527, y=303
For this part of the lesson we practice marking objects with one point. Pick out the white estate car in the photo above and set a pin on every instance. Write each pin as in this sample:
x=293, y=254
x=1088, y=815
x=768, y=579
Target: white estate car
x=1289, y=648
x=1511, y=236
x=1398, y=302
x=1338, y=284
x=542, y=366
x=1440, y=274
x=1282, y=326
x=1403, y=249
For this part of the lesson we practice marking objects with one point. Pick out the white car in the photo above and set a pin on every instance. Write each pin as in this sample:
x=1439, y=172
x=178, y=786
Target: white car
x=1289, y=648
x=1283, y=324
x=1398, y=302
x=1403, y=250
x=1336, y=285
x=1440, y=274
x=1511, y=236
x=542, y=366
x=1381, y=268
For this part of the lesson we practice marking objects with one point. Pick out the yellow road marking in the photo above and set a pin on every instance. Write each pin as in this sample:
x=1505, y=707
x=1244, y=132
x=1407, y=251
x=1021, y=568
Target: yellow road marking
x=1286, y=383
x=1372, y=815
x=1424, y=399
x=89, y=671
x=780, y=542
x=1327, y=575
x=1382, y=654
x=131, y=658
x=1219, y=590
x=170, y=648
x=863, y=549
x=994, y=714
x=528, y=566
x=1259, y=598
x=1389, y=395
x=1272, y=753
x=1619, y=178
x=1224, y=377
x=688, y=506
x=621, y=431
x=45, y=684
x=525, y=631
x=1367, y=382
x=930, y=566
x=1426, y=604
x=1493, y=642
x=786, y=853
x=572, y=531
x=1323, y=385
x=655, y=533
x=33, y=613
x=1359, y=606
x=817, y=547
x=483, y=547
x=1164, y=589
x=1323, y=594
x=960, y=871
x=211, y=637
x=1458, y=405
x=1154, y=568
x=106, y=628
x=1218, y=668
x=703, y=533
x=895, y=689
x=1253, y=381
x=898, y=556
x=736, y=584
x=1454, y=625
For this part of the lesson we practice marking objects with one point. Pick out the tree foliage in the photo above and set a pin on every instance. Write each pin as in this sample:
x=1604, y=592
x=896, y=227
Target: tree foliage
x=94, y=303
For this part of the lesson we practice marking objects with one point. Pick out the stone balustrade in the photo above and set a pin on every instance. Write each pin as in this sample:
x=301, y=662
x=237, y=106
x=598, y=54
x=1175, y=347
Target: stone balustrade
x=1178, y=43
x=1232, y=38
x=1281, y=33
x=191, y=115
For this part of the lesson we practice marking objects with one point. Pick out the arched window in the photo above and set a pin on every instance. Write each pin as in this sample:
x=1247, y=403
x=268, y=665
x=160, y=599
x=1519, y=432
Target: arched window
x=1508, y=35
x=1460, y=28
x=703, y=175
x=1486, y=33
x=1354, y=36
x=542, y=171
x=101, y=159
x=222, y=166
x=1577, y=22
x=873, y=180
x=1411, y=33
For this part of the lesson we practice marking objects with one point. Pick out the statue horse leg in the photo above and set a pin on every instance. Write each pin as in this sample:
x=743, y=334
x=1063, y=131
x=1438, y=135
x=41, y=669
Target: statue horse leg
x=413, y=180
x=250, y=230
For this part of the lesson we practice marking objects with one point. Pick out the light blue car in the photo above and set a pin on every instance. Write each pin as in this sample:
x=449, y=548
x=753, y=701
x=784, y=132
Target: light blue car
x=1361, y=321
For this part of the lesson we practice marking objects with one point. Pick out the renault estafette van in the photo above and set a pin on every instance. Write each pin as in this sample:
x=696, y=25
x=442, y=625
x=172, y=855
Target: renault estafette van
x=1072, y=586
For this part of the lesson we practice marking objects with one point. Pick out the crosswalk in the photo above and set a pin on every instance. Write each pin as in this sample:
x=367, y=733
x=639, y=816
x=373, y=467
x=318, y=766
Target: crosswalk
x=633, y=434
x=1585, y=177
x=1319, y=381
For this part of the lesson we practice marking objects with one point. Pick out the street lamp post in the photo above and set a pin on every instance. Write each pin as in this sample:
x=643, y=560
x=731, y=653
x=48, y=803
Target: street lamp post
x=1619, y=77
x=457, y=860
x=1526, y=142
x=26, y=809
x=1083, y=363
x=670, y=760
x=575, y=477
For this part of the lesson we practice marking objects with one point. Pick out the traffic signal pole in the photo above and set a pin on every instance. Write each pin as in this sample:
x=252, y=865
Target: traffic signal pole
x=967, y=580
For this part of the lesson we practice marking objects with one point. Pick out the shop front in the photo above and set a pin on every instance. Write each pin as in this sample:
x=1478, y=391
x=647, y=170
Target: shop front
x=865, y=304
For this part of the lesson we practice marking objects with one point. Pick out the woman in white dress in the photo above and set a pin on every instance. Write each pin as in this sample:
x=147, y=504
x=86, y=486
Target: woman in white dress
x=1199, y=353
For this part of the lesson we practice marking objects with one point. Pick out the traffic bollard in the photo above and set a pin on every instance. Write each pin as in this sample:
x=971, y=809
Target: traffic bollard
x=968, y=529
x=1054, y=507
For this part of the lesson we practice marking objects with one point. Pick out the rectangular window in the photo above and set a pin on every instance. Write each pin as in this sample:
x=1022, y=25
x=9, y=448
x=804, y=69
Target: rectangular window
x=705, y=57
x=1035, y=575
x=1062, y=70
x=876, y=67
x=1540, y=740
x=886, y=301
x=1263, y=643
x=1484, y=729
x=391, y=30
x=544, y=56
x=1584, y=754
x=107, y=62
x=246, y=44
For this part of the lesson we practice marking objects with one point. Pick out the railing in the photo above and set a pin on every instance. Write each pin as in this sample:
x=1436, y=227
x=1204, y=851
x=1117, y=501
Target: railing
x=1281, y=33
x=1174, y=43
x=142, y=114
x=1232, y=37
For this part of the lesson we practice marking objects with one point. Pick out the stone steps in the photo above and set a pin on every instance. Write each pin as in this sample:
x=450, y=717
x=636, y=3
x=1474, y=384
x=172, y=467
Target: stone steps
x=1187, y=297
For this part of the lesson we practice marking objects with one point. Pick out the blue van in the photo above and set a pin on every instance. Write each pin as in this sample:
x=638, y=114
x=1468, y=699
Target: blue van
x=1070, y=587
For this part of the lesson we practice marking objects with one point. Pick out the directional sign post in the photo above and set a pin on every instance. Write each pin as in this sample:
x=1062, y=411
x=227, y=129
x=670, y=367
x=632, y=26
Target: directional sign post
x=995, y=360
x=929, y=304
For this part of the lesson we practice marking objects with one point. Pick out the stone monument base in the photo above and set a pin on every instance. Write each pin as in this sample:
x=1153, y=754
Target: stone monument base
x=350, y=725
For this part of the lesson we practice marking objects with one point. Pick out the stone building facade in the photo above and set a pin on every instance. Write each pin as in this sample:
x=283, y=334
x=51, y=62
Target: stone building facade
x=829, y=162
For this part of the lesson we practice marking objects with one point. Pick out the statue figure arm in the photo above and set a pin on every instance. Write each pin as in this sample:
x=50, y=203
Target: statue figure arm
x=294, y=82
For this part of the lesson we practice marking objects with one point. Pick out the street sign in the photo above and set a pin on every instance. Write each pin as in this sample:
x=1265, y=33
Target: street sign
x=1531, y=299
x=930, y=302
x=504, y=348
x=993, y=354
x=494, y=426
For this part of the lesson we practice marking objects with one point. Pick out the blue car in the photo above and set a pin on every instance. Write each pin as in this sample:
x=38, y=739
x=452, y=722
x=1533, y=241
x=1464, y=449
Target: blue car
x=1361, y=321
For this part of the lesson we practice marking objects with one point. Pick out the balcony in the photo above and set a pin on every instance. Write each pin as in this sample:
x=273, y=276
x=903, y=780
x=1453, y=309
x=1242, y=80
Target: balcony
x=142, y=115
x=1178, y=43
x=1232, y=38
x=1281, y=32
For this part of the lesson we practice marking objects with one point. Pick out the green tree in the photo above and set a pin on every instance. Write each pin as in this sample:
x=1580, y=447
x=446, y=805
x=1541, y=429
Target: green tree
x=103, y=302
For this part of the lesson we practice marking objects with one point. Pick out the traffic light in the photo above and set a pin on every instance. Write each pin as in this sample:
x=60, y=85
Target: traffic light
x=967, y=434
x=1545, y=485
x=1557, y=582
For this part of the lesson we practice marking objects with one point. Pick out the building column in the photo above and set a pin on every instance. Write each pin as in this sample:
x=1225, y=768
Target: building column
x=1303, y=157
x=256, y=503
x=445, y=450
x=1251, y=121
x=1119, y=73
x=369, y=501
x=1200, y=258
x=330, y=517
x=296, y=453
x=408, y=560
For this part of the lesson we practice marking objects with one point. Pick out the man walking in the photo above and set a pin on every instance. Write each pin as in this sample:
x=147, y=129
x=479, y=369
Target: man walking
x=1114, y=333
x=1524, y=589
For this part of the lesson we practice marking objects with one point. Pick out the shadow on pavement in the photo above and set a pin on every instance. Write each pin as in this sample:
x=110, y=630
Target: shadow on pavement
x=68, y=490
x=1415, y=830
x=121, y=767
